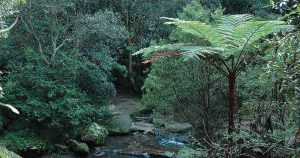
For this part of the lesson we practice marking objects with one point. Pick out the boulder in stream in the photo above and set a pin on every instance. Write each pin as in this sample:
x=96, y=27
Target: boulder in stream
x=95, y=134
x=118, y=131
x=177, y=127
x=143, y=152
x=142, y=127
x=78, y=148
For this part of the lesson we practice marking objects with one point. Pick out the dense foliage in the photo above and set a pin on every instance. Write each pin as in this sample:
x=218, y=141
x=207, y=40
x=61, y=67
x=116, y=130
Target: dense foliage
x=229, y=68
x=60, y=79
x=265, y=104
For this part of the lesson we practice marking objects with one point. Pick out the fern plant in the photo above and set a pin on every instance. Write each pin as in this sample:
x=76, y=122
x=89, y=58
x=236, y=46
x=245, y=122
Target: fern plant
x=229, y=47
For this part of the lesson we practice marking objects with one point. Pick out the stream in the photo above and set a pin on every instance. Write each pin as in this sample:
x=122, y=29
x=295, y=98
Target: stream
x=141, y=143
x=144, y=140
x=137, y=145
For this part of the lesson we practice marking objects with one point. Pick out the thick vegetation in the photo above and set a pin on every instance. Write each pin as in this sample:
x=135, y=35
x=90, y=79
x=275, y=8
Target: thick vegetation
x=229, y=68
x=261, y=105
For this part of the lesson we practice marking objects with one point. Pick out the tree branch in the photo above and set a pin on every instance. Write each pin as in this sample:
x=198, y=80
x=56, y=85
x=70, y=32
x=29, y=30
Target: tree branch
x=33, y=33
x=11, y=26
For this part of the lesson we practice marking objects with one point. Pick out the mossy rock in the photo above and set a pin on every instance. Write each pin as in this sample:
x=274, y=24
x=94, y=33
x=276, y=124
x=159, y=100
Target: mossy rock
x=61, y=148
x=118, y=131
x=95, y=134
x=80, y=149
x=4, y=153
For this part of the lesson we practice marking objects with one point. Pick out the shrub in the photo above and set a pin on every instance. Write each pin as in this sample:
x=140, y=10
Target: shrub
x=21, y=141
x=188, y=89
x=54, y=97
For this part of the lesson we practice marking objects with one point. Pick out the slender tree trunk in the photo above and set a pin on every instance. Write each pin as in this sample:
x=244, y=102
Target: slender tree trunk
x=231, y=106
x=231, y=101
x=130, y=76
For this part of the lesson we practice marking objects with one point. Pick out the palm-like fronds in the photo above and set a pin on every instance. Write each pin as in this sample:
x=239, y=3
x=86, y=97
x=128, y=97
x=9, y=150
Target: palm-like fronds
x=230, y=39
x=228, y=47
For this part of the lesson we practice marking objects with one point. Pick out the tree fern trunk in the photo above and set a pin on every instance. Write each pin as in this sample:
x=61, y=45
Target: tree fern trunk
x=231, y=106
x=231, y=101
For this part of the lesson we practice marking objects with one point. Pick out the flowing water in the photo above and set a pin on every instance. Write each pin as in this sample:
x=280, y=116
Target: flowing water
x=137, y=145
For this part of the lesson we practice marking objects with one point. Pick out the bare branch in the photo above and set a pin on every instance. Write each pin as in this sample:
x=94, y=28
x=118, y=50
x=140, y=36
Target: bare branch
x=11, y=26
x=31, y=30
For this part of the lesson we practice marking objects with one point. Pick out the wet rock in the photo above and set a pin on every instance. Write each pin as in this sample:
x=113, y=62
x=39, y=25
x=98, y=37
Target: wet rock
x=176, y=127
x=192, y=153
x=118, y=131
x=4, y=153
x=99, y=151
x=59, y=156
x=143, y=127
x=159, y=122
x=95, y=134
x=61, y=148
x=140, y=118
x=170, y=124
x=78, y=148
x=142, y=152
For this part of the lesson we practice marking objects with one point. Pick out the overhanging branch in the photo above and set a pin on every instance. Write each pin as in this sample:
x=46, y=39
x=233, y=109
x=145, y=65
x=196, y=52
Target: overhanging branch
x=11, y=26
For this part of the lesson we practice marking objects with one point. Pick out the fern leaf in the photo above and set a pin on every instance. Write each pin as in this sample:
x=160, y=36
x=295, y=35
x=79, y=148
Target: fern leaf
x=198, y=29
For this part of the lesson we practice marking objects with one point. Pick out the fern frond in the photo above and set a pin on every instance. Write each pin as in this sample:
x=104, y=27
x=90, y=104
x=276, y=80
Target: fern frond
x=198, y=29
x=250, y=32
x=233, y=38
x=228, y=25
x=173, y=50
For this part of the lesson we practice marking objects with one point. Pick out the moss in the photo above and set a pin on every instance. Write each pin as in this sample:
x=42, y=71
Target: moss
x=95, y=133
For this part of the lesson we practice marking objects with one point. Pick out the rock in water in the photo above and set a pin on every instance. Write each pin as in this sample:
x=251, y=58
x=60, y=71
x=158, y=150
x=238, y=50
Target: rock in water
x=4, y=153
x=118, y=131
x=145, y=152
x=95, y=134
x=178, y=127
x=81, y=149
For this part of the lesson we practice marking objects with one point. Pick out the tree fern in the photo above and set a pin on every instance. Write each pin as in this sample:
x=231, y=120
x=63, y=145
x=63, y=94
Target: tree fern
x=230, y=39
x=229, y=47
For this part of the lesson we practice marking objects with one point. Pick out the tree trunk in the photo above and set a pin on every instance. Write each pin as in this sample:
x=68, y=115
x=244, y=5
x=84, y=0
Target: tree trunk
x=231, y=101
x=130, y=76
x=231, y=106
